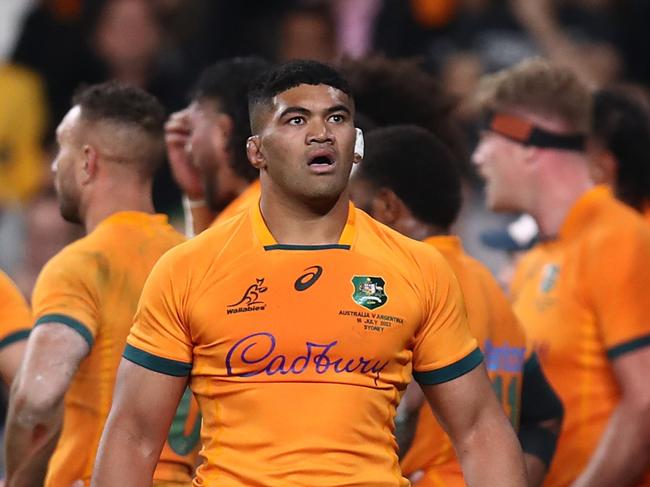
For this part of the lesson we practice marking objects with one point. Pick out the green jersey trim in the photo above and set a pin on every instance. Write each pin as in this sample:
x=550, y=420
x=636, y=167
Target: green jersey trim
x=306, y=247
x=73, y=323
x=628, y=346
x=14, y=337
x=157, y=364
x=451, y=371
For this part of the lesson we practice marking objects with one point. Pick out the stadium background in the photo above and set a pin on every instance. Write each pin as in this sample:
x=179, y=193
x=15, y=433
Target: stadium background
x=49, y=47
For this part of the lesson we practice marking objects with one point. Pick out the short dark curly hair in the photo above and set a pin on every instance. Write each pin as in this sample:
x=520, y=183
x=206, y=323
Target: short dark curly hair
x=133, y=108
x=289, y=75
x=418, y=168
x=401, y=91
x=622, y=125
x=227, y=83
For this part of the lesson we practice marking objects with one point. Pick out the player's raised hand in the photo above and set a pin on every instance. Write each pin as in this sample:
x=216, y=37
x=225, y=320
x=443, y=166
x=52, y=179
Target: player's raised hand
x=179, y=152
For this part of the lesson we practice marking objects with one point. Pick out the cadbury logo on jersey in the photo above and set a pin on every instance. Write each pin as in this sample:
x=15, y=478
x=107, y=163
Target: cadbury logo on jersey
x=254, y=355
x=251, y=300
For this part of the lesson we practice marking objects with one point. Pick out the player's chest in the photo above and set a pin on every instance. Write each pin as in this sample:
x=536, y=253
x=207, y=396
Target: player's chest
x=552, y=307
x=286, y=305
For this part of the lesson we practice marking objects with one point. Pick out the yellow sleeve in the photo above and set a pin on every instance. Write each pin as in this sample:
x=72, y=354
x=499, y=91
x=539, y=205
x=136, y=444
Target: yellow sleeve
x=619, y=291
x=444, y=347
x=66, y=291
x=160, y=339
x=15, y=317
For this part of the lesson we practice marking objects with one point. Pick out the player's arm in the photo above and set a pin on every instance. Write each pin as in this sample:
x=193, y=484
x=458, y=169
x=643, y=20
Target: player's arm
x=15, y=323
x=619, y=294
x=485, y=443
x=144, y=405
x=449, y=367
x=623, y=454
x=198, y=215
x=541, y=421
x=150, y=381
x=54, y=351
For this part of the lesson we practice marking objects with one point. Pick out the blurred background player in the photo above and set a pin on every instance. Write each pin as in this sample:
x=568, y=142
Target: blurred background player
x=15, y=324
x=110, y=144
x=309, y=396
x=582, y=293
x=206, y=143
x=620, y=145
x=401, y=91
x=409, y=181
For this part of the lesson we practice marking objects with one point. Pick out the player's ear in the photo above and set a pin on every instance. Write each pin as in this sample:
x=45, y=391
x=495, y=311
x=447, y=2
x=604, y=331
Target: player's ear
x=603, y=167
x=254, y=152
x=89, y=165
x=358, y=146
x=386, y=206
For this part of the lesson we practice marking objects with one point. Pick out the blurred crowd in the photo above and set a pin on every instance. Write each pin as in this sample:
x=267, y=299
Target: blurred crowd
x=49, y=48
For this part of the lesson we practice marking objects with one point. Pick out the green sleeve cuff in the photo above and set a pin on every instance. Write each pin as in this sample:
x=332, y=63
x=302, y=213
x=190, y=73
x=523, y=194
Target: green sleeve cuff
x=451, y=371
x=628, y=346
x=14, y=337
x=76, y=325
x=157, y=364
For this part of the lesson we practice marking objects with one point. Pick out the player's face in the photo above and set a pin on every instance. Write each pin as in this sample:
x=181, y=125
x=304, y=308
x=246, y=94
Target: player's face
x=69, y=158
x=307, y=143
x=210, y=153
x=500, y=161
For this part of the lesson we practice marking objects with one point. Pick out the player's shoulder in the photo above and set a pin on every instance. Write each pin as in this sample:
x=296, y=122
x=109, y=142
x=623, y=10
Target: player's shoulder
x=385, y=243
x=481, y=272
x=617, y=227
x=230, y=235
x=8, y=288
x=78, y=250
x=74, y=263
x=136, y=226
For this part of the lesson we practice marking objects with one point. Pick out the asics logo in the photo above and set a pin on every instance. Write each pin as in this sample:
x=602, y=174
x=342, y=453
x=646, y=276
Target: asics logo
x=308, y=279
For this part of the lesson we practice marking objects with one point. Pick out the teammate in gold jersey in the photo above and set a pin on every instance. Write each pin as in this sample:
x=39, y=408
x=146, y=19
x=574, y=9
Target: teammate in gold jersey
x=110, y=143
x=410, y=181
x=582, y=292
x=298, y=324
x=206, y=144
x=15, y=324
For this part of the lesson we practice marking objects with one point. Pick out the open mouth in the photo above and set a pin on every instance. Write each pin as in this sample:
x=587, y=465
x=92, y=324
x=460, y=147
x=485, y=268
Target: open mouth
x=321, y=161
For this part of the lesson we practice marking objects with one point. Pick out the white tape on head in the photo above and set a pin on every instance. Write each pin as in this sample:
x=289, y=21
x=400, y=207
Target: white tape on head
x=358, y=143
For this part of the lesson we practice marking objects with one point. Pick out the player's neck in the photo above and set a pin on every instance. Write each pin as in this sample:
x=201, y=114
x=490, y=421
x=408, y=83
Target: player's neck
x=421, y=231
x=408, y=224
x=555, y=200
x=298, y=223
x=116, y=199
